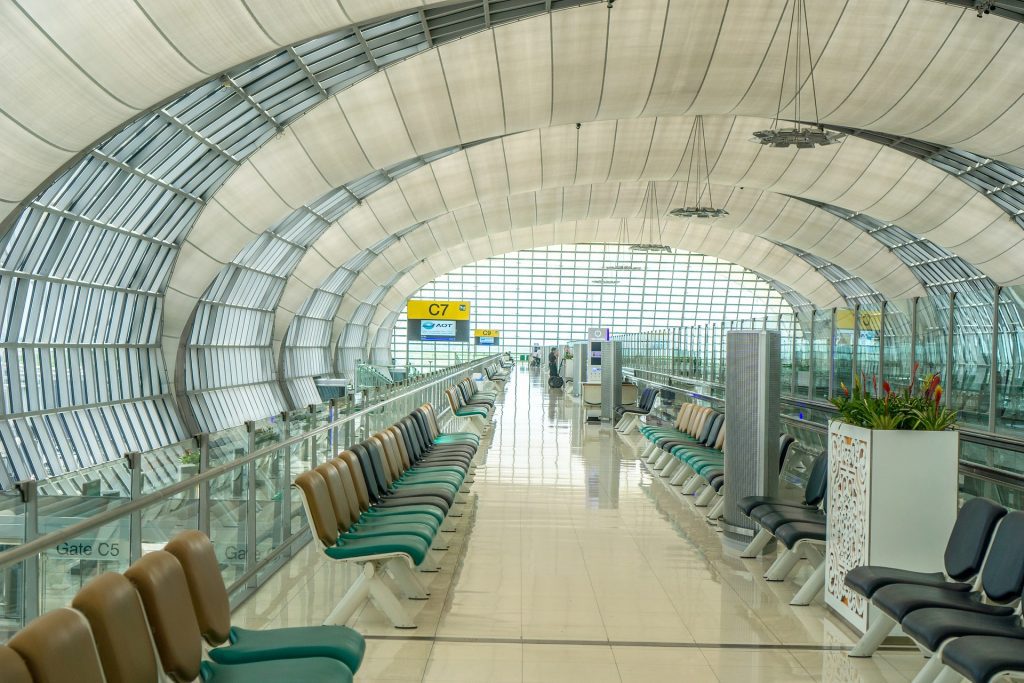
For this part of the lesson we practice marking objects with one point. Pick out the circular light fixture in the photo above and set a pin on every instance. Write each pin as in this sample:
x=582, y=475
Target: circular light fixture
x=699, y=212
x=650, y=248
x=801, y=138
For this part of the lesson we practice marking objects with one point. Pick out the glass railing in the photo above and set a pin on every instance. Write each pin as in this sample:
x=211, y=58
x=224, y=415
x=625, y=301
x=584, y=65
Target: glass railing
x=233, y=485
x=815, y=359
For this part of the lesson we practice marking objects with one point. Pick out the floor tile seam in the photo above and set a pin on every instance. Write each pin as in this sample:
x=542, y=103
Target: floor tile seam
x=498, y=640
x=677, y=528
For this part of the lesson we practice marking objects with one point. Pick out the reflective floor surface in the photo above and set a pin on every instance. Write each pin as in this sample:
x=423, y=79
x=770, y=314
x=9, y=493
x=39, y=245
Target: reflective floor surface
x=573, y=565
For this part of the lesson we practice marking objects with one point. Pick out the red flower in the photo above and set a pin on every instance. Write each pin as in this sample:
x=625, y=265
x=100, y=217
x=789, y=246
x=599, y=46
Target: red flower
x=938, y=396
x=886, y=388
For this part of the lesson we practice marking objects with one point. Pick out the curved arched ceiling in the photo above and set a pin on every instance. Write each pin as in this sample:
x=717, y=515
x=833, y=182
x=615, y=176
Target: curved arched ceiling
x=245, y=147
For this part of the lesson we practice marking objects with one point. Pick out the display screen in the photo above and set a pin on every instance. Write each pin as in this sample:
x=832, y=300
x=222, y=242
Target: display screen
x=437, y=330
x=486, y=341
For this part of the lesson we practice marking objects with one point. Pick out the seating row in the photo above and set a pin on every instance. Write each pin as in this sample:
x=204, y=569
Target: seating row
x=157, y=616
x=381, y=506
x=628, y=417
x=966, y=618
x=473, y=404
x=496, y=372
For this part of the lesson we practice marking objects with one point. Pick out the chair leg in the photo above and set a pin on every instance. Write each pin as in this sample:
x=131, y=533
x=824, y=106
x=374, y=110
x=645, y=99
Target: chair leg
x=879, y=630
x=406, y=579
x=930, y=670
x=692, y=485
x=682, y=476
x=354, y=597
x=663, y=460
x=648, y=451
x=705, y=497
x=948, y=675
x=631, y=425
x=811, y=588
x=754, y=548
x=387, y=603
x=671, y=467
x=782, y=566
x=716, y=509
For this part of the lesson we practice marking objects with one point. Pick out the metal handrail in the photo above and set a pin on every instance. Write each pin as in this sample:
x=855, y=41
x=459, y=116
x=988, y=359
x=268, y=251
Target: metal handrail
x=36, y=546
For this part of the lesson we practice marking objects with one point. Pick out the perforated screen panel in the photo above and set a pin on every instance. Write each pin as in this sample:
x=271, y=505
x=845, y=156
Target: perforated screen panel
x=751, y=423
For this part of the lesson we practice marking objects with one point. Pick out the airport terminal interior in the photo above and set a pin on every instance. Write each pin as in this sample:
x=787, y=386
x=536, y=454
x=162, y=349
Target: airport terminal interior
x=511, y=340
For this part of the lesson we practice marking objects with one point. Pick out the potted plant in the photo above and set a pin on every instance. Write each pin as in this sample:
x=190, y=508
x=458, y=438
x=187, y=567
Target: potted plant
x=188, y=464
x=893, y=461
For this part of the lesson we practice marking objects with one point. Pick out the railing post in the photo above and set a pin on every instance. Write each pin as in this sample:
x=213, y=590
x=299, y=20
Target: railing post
x=30, y=598
x=881, y=340
x=204, y=486
x=913, y=336
x=832, y=354
x=951, y=321
x=135, y=519
x=250, y=504
x=286, y=488
x=811, y=381
x=854, y=343
x=994, y=362
x=311, y=442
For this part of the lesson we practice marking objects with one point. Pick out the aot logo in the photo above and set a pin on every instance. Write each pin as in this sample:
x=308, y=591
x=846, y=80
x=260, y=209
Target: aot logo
x=428, y=326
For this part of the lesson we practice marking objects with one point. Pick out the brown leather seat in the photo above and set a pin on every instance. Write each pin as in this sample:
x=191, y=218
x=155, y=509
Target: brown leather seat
x=58, y=648
x=118, y=622
x=160, y=581
x=205, y=584
x=13, y=666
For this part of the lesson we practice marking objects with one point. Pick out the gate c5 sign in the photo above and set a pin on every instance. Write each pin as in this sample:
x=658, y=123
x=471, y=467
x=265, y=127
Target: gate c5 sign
x=422, y=309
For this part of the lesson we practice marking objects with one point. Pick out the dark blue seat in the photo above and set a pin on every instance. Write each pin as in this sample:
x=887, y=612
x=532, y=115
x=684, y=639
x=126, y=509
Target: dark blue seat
x=980, y=659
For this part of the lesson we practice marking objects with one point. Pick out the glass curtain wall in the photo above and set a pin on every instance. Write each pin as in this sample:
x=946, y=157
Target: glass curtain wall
x=551, y=295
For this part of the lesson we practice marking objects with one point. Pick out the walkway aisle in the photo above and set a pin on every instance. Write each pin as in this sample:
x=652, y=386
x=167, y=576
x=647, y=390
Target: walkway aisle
x=574, y=566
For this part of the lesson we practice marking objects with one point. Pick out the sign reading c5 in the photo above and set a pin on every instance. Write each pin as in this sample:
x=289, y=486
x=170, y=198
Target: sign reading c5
x=486, y=333
x=422, y=309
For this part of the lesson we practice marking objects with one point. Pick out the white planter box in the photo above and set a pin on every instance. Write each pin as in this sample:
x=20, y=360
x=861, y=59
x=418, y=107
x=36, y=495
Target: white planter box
x=892, y=501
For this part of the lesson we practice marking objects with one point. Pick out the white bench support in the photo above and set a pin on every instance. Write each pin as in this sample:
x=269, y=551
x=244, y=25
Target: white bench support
x=881, y=626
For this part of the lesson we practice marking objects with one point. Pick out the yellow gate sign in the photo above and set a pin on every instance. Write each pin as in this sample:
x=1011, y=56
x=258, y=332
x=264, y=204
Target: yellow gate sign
x=486, y=333
x=423, y=309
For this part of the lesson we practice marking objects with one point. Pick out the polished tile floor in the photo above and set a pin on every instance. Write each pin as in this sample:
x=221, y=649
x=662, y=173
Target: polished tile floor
x=571, y=564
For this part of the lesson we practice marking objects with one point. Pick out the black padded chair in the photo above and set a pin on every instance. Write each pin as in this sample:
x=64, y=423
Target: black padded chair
x=814, y=494
x=1002, y=581
x=981, y=659
x=964, y=555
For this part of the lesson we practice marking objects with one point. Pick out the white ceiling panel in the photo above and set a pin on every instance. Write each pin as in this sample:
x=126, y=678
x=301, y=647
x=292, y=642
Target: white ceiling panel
x=487, y=165
x=376, y=120
x=24, y=161
x=559, y=153
x=213, y=36
x=470, y=222
x=446, y=231
x=471, y=70
x=524, y=63
x=327, y=139
x=692, y=32
x=390, y=207
x=455, y=179
x=749, y=25
x=249, y=198
x=422, y=193
x=632, y=145
x=522, y=158
x=40, y=82
x=292, y=21
x=595, y=146
x=220, y=234
x=910, y=46
x=98, y=34
x=635, y=40
x=419, y=85
x=966, y=53
x=286, y=166
x=336, y=246
x=578, y=46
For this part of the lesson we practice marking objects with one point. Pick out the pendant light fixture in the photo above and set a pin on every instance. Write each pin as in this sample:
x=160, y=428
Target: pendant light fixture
x=649, y=239
x=698, y=178
x=798, y=44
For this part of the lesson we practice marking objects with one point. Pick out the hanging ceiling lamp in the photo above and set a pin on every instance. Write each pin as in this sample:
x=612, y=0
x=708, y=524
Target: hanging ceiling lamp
x=698, y=178
x=798, y=41
x=650, y=237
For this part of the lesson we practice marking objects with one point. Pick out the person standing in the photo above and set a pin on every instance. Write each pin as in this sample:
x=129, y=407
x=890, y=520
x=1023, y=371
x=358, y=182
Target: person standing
x=553, y=361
